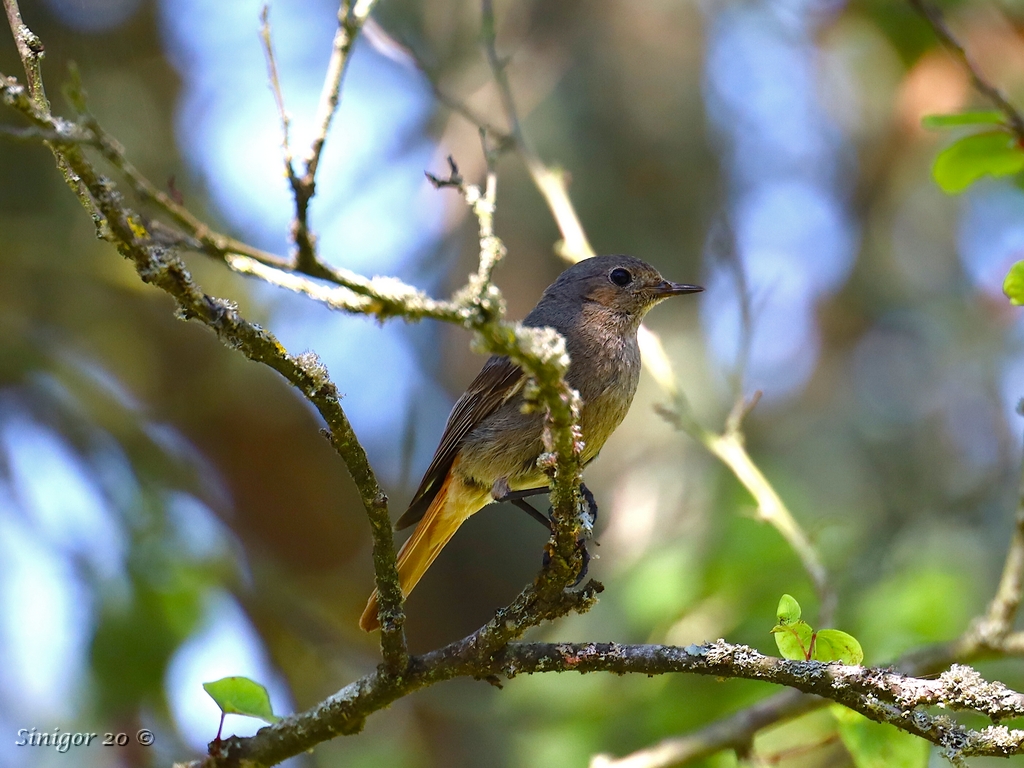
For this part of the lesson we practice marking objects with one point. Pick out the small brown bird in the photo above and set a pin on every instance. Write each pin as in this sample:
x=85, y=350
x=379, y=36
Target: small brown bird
x=490, y=447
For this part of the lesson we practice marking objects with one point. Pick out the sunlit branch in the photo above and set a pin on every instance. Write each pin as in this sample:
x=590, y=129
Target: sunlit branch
x=729, y=447
x=275, y=87
x=735, y=732
x=351, y=17
x=550, y=182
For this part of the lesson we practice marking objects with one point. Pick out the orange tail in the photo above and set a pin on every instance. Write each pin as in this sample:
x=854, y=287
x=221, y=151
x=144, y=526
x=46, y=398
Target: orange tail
x=452, y=506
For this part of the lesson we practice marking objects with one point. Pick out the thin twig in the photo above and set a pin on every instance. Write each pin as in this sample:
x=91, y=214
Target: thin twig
x=210, y=242
x=1002, y=610
x=735, y=732
x=32, y=133
x=275, y=87
x=31, y=52
x=351, y=18
x=350, y=21
x=728, y=446
x=550, y=182
x=935, y=19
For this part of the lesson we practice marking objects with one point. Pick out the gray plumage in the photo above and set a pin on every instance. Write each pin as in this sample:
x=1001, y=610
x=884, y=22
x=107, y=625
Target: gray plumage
x=598, y=314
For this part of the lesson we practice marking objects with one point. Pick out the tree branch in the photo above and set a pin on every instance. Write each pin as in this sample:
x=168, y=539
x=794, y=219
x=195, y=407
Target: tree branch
x=540, y=352
x=881, y=695
x=275, y=87
x=351, y=17
x=734, y=732
x=1005, y=604
x=729, y=447
x=31, y=52
x=934, y=17
x=551, y=182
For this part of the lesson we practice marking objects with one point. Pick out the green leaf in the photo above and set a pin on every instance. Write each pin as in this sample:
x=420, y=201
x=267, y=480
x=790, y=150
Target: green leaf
x=794, y=639
x=978, y=117
x=994, y=153
x=788, y=610
x=1013, y=285
x=836, y=645
x=878, y=745
x=241, y=696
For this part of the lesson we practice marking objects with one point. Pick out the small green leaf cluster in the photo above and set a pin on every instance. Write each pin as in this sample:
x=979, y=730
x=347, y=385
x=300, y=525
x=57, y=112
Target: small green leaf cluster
x=241, y=696
x=797, y=641
x=995, y=152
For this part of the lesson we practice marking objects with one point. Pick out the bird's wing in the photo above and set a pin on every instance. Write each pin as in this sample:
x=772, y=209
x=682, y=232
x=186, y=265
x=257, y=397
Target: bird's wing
x=498, y=381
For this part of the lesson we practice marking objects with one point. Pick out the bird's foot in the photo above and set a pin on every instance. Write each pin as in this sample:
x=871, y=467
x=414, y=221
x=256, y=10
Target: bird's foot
x=588, y=518
x=581, y=547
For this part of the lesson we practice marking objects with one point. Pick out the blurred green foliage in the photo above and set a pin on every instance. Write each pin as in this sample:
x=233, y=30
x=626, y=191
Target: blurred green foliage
x=796, y=639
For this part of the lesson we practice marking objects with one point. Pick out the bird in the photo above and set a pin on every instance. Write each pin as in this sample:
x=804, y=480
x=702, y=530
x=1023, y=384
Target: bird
x=490, y=446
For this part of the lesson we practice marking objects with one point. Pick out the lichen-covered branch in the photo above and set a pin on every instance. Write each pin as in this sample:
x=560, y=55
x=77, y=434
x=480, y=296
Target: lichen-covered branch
x=540, y=352
x=160, y=266
x=882, y=695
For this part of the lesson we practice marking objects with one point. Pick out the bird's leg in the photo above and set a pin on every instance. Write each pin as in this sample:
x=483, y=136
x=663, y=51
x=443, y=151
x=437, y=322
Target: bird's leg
x=535, y=514
x=501, y=492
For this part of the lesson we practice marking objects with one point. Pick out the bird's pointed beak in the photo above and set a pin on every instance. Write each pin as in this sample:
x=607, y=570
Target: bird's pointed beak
x=665, y=289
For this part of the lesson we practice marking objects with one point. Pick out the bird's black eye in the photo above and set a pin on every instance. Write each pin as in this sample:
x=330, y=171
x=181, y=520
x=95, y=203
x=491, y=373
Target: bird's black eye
x=620, y=277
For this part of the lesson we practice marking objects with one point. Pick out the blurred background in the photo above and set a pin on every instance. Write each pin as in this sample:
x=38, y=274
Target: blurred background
x=170, y=515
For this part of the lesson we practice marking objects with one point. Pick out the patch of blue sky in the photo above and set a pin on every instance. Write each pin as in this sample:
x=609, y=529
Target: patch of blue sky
x=990, y=238
x=1011, y=388
x=761, y=91
x=46, y=622
x=801, y=222
x=990, y=235
x=200, y=533
x=793, y=235
x=372, y=212
x=784, y=341
x=93, y=15
x=374, y=371
x=59, y=498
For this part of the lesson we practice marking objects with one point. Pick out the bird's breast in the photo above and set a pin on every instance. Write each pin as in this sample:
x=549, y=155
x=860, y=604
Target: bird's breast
x=605, y=370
